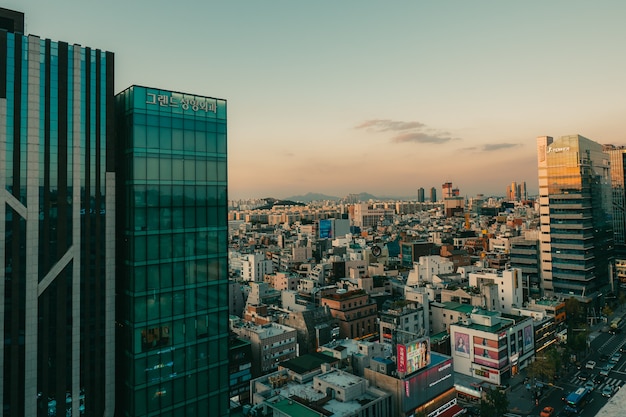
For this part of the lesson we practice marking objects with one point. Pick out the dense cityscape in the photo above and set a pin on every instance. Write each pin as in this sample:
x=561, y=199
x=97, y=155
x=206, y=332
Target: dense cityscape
x=134, y=286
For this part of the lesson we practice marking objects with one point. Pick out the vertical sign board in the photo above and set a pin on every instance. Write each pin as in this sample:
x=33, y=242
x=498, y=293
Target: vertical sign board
x=401, y=358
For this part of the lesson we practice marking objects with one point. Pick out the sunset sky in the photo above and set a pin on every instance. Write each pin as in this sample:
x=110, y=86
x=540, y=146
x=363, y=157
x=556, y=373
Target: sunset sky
x=339, y=97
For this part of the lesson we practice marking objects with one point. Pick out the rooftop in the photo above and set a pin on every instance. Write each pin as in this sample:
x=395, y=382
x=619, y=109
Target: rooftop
x=303, y=400
x=307, y=363
x=461, y=308
x=547, y=302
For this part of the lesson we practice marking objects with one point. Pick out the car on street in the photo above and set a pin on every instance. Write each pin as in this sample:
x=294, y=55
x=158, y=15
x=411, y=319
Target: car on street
x=605, y=370
x=590, y=365
x=616, y=357
x=622, y=348
x=590, y=385
x=617, y=330
x=607, y=391
x=547, y=412
x=604, y=357
x=583, y=376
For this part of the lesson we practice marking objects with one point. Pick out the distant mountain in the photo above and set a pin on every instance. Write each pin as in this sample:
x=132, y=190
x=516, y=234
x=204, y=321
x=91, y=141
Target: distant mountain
x=309, y=197
x=271, y=202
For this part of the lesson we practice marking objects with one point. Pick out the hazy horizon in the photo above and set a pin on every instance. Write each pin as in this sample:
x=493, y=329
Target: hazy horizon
x=336, y=97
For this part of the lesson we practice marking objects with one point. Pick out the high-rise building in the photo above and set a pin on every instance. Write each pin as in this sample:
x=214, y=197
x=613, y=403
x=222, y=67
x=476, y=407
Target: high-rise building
x=575, y=215
x=452, y=201
x=523, y=193
x=516, y=192
x=420, y=195
x=525, y=256
x=172, y=278
x=617, y=156
x=433, y=195
x=57, y=205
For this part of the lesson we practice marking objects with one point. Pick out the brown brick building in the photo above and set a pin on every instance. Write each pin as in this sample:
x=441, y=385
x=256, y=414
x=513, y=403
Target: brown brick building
x=354, y=311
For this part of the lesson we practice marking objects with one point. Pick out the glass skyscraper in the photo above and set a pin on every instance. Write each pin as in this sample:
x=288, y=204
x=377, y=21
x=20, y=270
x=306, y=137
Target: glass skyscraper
x=576, y=237
x=172, y=283
x=56, y=198
x=617, y=156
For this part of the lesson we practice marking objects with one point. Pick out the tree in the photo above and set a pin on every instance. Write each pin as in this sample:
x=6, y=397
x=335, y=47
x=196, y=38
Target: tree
x=574, y=311
x=555, y=356
x=606, y=311
x=577, y=337
x=543, y=368
x=494, y=404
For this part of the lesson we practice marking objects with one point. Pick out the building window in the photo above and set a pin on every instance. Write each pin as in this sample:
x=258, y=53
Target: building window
x=155, y=337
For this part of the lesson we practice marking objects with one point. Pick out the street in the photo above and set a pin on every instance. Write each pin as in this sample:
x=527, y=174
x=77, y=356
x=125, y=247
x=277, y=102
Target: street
x=522, y=401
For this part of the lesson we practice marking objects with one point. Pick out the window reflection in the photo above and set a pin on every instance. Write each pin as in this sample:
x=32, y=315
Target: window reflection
x=155, y=337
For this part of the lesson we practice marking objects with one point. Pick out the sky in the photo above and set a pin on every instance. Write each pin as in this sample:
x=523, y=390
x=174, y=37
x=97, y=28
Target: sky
x=339, y=97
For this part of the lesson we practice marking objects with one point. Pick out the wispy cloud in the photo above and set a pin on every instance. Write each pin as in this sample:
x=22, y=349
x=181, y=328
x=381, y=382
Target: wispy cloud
x=497, y=146
x=407, y=132
x=385, y=125
x=420, y=137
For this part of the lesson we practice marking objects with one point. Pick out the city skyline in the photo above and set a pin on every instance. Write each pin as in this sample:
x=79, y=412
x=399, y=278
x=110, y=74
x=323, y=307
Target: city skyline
x=363, y=97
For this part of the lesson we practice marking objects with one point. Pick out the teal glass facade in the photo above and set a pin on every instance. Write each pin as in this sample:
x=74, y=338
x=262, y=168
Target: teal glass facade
x=172, y=282
x=56, y=283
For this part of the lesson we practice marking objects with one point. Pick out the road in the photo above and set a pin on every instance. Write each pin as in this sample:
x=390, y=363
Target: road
x=602, y=343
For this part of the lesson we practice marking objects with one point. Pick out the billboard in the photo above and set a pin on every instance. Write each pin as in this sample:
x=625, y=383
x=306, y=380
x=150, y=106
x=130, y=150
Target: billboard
x=528, y=337
x=326, y=229
x=429, y=383
x=413, y=356
x=461, y=344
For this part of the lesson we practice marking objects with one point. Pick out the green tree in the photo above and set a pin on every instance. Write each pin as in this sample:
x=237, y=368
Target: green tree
x=543, y=367
x=494, y=404
x=574, y=311
x=555, y=356
x=607, y=311
x=578, y=339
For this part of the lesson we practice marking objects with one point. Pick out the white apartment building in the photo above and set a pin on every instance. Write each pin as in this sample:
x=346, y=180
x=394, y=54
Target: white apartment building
x=509, y=283
x=427, y=267
x=254, y=267
x=366, y=215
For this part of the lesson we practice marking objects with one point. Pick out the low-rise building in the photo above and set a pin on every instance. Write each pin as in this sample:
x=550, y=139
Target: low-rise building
x=429, y=390
x=356, y=355
x=239, y=368
x=403, y=317
x=330, y=392
x=271, y=343
x=354, y=312
x=509, y=283
x=492, y=346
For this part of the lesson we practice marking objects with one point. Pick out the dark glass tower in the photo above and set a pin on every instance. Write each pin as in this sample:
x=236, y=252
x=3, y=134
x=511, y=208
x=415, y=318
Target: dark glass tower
x=56, y=198
x=172, y=282
x=576, y=218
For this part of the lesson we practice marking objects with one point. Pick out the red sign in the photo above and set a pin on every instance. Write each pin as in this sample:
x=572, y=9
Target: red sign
x=401, y=358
